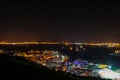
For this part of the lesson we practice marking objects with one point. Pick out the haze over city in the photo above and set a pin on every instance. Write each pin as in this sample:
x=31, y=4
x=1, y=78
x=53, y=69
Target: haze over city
x=82, y=21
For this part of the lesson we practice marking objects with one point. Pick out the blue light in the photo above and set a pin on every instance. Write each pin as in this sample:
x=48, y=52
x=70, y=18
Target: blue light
x=109, y=67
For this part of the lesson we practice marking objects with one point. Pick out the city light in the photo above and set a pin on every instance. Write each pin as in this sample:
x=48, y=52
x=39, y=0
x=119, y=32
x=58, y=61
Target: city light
x=109, y=67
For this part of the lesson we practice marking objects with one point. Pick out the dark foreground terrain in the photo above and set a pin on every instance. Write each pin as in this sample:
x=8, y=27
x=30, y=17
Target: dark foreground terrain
x=18, y=68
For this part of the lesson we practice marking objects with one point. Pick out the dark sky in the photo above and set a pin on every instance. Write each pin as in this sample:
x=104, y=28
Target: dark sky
x=60, y=21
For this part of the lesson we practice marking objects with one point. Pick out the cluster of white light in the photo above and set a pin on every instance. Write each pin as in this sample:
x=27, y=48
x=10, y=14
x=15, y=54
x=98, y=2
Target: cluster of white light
x=109, y=74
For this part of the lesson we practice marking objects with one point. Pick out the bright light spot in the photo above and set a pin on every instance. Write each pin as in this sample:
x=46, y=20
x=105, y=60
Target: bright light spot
x=109, y=74
x=66, y=43
x=71, y=48
x=109, y=67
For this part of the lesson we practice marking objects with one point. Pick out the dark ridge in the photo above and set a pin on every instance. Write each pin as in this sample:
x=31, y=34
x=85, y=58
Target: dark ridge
x=18, y=68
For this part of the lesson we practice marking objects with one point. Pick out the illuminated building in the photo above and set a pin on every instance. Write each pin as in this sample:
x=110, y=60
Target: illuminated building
x=80, y=63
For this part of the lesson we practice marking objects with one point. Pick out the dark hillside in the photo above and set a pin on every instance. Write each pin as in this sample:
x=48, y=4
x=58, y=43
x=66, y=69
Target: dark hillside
x=18, y=68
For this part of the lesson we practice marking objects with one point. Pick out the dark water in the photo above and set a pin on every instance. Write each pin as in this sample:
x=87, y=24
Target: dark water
x=96, y=55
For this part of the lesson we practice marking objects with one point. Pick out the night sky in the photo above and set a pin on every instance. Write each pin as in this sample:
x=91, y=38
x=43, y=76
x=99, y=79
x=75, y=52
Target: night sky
x=60, y=21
